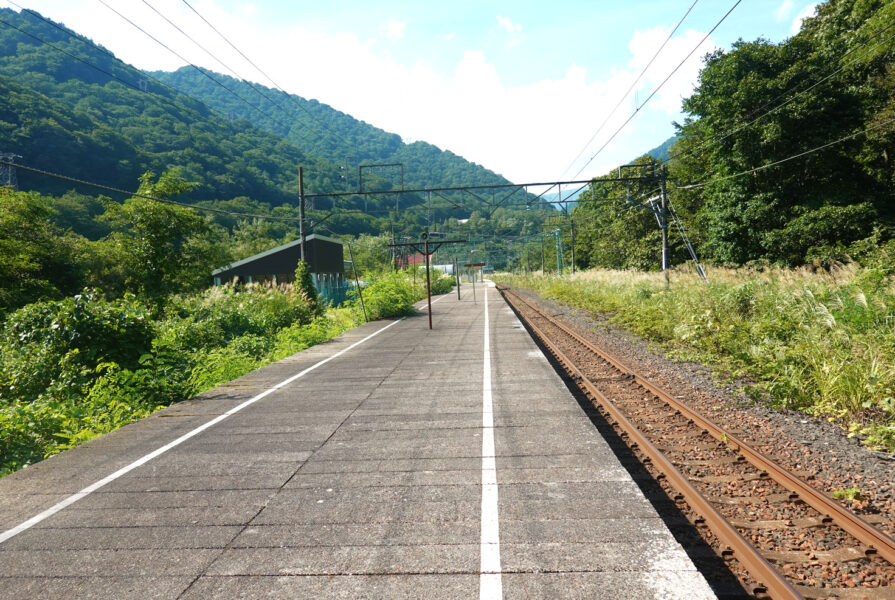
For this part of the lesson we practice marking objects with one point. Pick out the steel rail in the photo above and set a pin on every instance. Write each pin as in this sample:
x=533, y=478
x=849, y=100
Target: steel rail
x=771, y=581
x=875, y=539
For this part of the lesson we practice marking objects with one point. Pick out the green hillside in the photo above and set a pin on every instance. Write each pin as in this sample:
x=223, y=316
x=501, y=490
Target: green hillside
x=138, y=130
x=73, y=108
x=330, y=134
x=661, y=152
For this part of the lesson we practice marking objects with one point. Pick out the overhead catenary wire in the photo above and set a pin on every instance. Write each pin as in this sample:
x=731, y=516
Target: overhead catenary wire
x=659, y=87
x=787, y=159
x=736, y=129
x=625, y=95
x=268, y=77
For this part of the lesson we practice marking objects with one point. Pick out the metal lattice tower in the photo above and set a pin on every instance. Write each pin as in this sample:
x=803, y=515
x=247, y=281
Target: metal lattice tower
x=8, y=171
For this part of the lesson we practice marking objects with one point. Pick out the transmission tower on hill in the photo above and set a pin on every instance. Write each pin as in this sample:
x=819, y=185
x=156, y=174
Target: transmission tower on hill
x=8, y=171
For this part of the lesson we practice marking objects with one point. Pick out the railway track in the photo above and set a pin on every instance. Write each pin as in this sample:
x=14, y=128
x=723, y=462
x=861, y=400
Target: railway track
x=777, y=533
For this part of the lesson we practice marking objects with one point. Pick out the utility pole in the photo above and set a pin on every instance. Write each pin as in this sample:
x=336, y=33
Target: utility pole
x=558, y=251
x=428, y=284
x=457, y=275
x=572, y=226
x=360, y=293
x=301, y=212
x=662, y=177
x=543, y=242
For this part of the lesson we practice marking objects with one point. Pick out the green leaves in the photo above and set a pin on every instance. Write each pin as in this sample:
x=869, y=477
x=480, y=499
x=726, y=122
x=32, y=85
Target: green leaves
x=761, y=103
x=76, y=368
x=823, y=344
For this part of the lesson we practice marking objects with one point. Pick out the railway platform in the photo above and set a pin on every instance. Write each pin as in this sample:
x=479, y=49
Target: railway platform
x=392, y=462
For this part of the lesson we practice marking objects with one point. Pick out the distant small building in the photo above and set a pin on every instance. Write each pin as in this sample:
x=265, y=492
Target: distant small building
x=410, y=260
x=277, y=266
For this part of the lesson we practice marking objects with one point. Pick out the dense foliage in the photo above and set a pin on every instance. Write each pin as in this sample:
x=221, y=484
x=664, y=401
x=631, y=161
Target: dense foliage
x=822, y=343
x=109, y=122
x=78, y=367
x=758, y=104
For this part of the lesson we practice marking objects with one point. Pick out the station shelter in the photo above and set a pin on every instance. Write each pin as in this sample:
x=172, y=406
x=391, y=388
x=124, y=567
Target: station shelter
x=277, y=267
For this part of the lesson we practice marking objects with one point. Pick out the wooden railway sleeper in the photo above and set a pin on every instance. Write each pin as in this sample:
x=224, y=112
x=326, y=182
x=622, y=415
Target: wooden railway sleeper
x=851, y=523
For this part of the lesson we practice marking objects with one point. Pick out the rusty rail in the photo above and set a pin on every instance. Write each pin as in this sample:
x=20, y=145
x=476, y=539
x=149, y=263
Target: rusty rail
x=864, y=532
x=772, y=581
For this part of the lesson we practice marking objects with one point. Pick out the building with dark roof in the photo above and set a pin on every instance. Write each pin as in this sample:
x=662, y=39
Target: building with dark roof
x=277, y=266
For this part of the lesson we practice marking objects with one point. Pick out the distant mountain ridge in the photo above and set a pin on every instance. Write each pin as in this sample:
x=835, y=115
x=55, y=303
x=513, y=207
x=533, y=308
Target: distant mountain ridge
x=75, y=109
x=660, y=152
x=329, y=133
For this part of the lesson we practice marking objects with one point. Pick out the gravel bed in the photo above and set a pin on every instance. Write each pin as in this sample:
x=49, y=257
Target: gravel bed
x=813, y=448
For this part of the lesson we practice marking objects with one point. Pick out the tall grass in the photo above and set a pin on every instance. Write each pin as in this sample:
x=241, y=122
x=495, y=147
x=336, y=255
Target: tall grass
x=74, y=369
x=819, y=342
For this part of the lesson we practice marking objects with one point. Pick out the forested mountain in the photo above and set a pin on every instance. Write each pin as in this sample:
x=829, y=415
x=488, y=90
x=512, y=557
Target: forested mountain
x=116, y=120
x=328, y=133
x=786, y=154
x=73, y=108
x=661, y=152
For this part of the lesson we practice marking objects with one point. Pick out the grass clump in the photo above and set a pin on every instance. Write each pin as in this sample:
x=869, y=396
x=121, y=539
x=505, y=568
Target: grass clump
x=819, y=342
x=73, y=369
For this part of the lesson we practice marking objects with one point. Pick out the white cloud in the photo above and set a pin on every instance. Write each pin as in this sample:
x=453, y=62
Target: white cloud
x=784, y=9
x=643, y=46
x=394, y=30
x=526, y=132
x=807, y=12
x=450, y=36
x=508, y=24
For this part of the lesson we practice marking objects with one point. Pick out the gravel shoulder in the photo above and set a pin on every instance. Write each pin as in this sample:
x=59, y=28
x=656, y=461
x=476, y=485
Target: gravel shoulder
x=813, y=448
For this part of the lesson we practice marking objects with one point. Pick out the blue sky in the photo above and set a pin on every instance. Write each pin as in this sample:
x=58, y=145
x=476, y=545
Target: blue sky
x=519, y=87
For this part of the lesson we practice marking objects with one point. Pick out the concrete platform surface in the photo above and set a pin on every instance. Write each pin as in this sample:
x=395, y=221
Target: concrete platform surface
x=450, y=463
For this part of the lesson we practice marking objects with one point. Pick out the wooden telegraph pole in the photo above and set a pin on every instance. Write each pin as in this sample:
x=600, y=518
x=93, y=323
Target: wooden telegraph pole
x=301, y=212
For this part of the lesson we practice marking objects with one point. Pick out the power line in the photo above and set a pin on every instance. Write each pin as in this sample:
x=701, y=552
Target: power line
x=213, y=56
x=70, y=55
x=90, y=44
x=169, y=49
x=787, y=159
x=268, y=77
x=625, y=95
x=109, y=188
x=198, y=207
x=653, y=93
x=724, y=135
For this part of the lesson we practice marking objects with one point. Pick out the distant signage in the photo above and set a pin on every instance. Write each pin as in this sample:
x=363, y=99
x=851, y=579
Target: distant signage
x=474, y=265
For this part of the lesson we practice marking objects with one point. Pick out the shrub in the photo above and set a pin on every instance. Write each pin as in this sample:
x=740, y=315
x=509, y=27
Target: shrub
x=822, y=342
x=71, y=336
x=391, y=295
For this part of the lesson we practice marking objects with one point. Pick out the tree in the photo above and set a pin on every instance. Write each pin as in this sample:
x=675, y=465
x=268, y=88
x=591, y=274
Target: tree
x=160, y=244
x=762, y=103
x=37, y=259
x=304, y=287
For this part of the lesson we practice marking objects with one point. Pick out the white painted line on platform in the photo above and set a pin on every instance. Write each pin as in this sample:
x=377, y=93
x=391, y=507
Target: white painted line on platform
x=145, y=459
x=490, y=584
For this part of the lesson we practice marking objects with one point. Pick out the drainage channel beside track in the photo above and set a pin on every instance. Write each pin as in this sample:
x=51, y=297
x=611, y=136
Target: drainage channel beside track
x=778, y=534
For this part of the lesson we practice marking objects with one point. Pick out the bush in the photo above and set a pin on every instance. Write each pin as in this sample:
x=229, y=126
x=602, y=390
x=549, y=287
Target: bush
x=74, y=369
x=822, y=342
x=69, y=337
x=391, y=295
